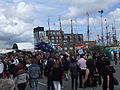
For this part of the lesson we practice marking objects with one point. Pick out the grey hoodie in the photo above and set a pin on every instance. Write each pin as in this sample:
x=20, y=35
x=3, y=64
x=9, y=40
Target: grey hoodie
x=21, y=77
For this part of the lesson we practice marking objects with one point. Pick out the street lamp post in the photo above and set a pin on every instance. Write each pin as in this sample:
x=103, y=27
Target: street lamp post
x=102, y=36
x=72, y=35
x=106, y=31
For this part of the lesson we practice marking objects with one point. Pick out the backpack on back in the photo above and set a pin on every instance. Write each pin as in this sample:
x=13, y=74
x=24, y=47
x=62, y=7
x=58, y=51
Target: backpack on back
x=34, y=71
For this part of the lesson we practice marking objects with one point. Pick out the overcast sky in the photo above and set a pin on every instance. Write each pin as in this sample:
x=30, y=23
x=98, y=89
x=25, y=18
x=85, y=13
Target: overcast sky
x=19, y=17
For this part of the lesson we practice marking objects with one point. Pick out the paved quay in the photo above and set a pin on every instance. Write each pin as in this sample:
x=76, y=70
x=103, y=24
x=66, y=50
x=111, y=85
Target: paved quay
x=67, y=84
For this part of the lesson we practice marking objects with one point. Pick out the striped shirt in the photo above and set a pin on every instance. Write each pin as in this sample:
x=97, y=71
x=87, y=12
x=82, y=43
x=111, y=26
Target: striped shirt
x=82, y=64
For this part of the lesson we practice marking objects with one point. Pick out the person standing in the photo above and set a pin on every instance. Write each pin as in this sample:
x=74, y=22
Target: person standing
x=21, y=77
x=100, y=65
x=82, y=65
x=12, y=69
x=108, y=76
x=66, y=64
x=89, y=75
x=48, y=73
x=115, y=57
x=6, y=67
x=57, y=75
x=34, y=73
x=74, y=73
x=16, y=61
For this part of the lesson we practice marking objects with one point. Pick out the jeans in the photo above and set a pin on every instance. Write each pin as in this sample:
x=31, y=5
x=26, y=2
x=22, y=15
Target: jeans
x=50, y=85
x=34, y=84
x=57, y=85
x=74, y=82
x=111, y=85
x=89, y=88
x=81, y=76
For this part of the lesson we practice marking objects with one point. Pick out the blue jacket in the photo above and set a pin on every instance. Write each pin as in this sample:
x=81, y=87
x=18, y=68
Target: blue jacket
x=34, y=71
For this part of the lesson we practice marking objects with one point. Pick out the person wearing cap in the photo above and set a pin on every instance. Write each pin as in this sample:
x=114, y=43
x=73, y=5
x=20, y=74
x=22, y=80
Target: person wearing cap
x=90, y=57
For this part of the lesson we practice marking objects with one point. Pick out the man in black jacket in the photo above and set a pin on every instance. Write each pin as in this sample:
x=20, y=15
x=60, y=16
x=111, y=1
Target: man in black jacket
x=48, y=73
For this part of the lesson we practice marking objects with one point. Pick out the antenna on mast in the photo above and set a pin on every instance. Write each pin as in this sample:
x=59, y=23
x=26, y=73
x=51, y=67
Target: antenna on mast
x=72, y=35
x=114, y=33
x=61, y=34
x=49, y=28
x=88, y=30
x=106, y=31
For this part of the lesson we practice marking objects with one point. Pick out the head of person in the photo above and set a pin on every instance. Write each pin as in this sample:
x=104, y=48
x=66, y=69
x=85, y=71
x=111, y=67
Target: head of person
x=33, y=62
x=107, y=62
x=90, y=58
x=98, y=58
x=56, y=64
x=28, y=62
x=20, y=66
x=65, y=56
x=90, y=65
x=50, y=59
x=73, y=60
x=81, y=56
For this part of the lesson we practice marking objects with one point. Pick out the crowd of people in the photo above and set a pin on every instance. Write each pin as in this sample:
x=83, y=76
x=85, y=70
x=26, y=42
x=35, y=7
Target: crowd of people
x=88, y=71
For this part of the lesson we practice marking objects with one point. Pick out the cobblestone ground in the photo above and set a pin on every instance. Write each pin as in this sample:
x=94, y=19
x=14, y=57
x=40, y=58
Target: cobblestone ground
x=67, y=84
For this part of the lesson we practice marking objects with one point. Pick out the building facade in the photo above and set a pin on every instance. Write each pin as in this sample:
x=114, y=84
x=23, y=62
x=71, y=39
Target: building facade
x=54, y=36
x=68, y=40
x=39, y=34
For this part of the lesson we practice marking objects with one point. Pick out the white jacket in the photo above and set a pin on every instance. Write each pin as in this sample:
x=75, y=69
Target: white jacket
x=1, y=67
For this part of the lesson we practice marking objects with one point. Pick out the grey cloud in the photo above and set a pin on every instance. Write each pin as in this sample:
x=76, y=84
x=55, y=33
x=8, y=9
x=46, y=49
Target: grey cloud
x=80, y=7
x=18, y=18
x=16, y=23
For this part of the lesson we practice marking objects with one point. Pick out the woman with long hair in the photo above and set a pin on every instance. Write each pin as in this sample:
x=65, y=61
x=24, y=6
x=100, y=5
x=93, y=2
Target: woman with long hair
x=89, y=74
x=21, y=77
x=57, y=75
x=108, y=76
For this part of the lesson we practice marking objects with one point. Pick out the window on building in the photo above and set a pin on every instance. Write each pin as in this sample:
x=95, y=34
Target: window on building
x=56, y=41
x=50, y=32
x=68, y=37
x=79, y=38
x=53, y=41
x=52, y=37
x=65, y=37
x=70, y=40
x=54, y=33
x=57, y=38
x=71, y=48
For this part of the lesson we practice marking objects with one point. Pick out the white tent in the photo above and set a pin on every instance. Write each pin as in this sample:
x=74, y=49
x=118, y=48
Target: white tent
x=24, y=46
x=5, y=51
